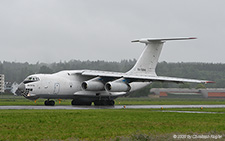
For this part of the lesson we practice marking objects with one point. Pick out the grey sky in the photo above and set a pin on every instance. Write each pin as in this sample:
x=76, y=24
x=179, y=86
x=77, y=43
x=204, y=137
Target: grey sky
x=54, y=30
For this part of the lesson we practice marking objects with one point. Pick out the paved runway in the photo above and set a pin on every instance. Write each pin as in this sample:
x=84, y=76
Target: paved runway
x=113, y=107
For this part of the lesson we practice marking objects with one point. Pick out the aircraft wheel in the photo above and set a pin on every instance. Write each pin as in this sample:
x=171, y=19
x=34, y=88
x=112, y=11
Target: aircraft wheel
x=74, y=102
x=85, y=103
x=104, y=102
x=111, y=102
x=46, y=102
x=97, y=103
x=52, y=103
x=49, y=103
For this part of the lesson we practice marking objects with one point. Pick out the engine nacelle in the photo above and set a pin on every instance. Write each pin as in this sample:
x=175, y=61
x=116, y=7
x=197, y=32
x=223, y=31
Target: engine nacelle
x=93, y=85
x=116, y=86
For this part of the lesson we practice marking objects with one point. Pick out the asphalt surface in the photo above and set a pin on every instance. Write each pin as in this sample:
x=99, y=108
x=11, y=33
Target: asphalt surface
x=113, y=107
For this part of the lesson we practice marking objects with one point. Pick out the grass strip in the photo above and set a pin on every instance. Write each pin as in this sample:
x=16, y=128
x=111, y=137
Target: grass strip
x=104, y=124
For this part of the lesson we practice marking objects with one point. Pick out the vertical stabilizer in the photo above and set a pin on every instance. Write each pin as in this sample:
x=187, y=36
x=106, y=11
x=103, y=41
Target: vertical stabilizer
x=148, y=60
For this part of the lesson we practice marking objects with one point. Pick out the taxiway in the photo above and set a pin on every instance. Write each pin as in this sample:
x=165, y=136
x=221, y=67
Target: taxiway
x=113, y=107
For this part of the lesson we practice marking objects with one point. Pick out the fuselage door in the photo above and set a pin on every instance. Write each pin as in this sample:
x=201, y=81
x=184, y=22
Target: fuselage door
x=56, y=88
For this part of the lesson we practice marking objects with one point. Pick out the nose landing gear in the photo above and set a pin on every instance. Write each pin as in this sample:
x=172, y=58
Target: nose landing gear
x=49, y=102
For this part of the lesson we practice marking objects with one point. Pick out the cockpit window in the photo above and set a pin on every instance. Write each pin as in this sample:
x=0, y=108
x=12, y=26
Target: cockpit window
x=31, y=79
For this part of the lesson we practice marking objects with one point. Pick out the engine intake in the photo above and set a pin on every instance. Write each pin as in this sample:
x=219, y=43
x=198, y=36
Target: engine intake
x=117, y=87
x=94, y=84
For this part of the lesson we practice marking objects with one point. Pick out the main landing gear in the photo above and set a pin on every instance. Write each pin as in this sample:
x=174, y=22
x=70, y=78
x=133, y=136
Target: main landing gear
x=104, y=103
x=83, y=103
x=97, y=103
x=49, y=102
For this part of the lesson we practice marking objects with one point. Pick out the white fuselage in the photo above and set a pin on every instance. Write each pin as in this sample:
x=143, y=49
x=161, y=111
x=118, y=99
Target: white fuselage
x=66, y=84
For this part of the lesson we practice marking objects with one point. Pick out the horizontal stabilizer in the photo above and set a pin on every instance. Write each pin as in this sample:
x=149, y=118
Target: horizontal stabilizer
x=148, y=40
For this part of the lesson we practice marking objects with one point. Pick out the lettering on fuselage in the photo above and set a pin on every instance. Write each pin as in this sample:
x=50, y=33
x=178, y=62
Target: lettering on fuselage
x=141, y=69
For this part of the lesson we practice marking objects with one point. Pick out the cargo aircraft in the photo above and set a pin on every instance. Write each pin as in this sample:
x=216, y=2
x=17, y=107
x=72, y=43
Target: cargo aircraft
x=100, y=87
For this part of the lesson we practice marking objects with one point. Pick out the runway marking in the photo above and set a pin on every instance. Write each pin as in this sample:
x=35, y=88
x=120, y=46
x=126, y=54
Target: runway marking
x=114, y=107
x=198, y=112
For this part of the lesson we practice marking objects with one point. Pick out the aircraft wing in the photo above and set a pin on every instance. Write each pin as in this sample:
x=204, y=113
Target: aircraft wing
x=137, y=77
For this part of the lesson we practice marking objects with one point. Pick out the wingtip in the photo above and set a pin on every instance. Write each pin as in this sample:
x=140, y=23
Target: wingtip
x=210, y=82
x=193, y=38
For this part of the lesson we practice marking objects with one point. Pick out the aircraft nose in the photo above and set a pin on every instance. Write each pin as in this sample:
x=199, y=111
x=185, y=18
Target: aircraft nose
x=20, y=90
x=21, y=86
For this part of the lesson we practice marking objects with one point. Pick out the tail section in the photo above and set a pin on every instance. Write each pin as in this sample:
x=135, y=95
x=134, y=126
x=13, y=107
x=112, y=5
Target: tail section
x=148, y=60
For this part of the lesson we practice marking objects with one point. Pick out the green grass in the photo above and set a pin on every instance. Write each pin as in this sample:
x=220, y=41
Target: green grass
x=106, y=124
x=218, y=110
x=19, y=100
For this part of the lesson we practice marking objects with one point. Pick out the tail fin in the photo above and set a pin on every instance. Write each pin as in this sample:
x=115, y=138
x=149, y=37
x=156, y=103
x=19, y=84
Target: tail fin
x=148, y=60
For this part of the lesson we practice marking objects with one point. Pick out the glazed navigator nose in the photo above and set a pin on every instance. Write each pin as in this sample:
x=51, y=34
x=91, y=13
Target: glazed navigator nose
x=20, y=90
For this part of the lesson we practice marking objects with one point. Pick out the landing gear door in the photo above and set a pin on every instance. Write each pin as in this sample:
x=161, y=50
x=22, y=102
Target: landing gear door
x=56, y=88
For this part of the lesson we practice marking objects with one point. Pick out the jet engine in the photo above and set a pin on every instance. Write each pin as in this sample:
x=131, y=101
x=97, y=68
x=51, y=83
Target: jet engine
x=117, y=86
x=94, y=84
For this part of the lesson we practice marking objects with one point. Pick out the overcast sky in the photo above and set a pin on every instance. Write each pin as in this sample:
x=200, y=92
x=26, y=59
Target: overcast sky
x=61, y=30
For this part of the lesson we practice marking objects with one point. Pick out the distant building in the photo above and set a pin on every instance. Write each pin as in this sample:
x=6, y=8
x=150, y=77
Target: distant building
x=2, y=83
x=8, y=87
x=188, y=93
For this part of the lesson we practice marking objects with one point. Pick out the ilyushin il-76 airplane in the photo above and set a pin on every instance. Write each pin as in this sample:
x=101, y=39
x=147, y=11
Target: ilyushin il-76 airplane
x=100, y=87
